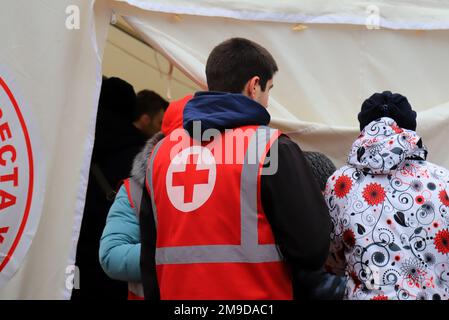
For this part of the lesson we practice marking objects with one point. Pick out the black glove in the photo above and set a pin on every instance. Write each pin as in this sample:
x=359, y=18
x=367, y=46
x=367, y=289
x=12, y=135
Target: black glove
x=319, y=285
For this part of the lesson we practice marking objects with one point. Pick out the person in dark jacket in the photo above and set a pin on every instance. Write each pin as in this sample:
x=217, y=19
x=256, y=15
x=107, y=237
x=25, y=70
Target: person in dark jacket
x=117, y=141
x=120, y=243
x=322, y=167
x=149, y=111
x=239, y=85
x=320, y=284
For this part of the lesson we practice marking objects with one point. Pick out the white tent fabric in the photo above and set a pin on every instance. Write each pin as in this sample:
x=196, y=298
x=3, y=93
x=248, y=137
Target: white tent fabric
x=401, y=14
x=326, y=71
x=329, y=62
x=57, y=71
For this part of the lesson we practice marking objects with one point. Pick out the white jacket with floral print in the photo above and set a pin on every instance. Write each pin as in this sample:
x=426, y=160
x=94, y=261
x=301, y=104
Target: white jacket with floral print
x=389, y=209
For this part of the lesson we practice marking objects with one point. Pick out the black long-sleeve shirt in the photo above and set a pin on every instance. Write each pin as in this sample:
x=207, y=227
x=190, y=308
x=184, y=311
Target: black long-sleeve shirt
x=294, y=207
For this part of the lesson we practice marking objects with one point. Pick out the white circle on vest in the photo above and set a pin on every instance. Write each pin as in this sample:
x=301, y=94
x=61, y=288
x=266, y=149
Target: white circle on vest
x=191, y=178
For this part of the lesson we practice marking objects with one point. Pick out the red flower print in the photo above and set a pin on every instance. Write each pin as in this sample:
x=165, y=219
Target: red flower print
x=342, y=186
x=396, y=129
x=349, y=238
x=441, y=241
x=413, y=271
x=444, y=198
x=356, y=280
x=419, y=199
x=374, y=194
x=380, y=297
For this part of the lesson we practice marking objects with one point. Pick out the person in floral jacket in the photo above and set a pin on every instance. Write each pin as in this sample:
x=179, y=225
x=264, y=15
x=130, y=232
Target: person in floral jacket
x=390, y=210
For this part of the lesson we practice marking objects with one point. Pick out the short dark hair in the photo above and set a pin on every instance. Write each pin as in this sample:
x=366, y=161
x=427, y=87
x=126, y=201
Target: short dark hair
x=150, y=103
x=235, y=61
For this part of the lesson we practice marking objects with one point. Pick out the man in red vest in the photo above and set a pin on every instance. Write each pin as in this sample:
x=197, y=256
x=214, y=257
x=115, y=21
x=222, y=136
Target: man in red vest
x=233, y=209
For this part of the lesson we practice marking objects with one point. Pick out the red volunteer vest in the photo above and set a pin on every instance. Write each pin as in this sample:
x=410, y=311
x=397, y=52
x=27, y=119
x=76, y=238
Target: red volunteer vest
x=213, y=238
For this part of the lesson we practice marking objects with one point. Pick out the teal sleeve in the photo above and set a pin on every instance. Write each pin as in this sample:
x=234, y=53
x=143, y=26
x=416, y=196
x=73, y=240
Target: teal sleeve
x=120, y=241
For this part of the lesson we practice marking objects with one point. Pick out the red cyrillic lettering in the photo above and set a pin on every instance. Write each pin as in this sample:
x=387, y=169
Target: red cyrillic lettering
x=4, y=129
x=11, y=177
x=6, y=199
x=8, y=148
x=3, y=230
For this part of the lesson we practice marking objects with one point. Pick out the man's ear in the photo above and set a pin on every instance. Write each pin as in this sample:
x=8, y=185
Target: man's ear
x=250, y=89
x=145, y=118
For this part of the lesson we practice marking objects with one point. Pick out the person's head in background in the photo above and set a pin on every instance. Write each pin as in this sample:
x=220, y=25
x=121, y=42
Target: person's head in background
x=322, y=167
x=149, y=111
x=387, y=104
x=241, y=66
x=117, y=96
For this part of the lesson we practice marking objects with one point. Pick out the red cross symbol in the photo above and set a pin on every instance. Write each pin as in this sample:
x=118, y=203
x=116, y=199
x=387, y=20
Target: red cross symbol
x=190, y=177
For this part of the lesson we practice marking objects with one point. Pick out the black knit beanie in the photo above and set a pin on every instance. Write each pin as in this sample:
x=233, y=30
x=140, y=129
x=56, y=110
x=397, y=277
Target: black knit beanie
x=118, y=96
x=322, y=167
x=387, y=104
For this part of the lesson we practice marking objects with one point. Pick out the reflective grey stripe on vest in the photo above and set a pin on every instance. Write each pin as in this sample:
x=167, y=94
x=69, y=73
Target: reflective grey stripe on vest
x=136, y=196
x=136, y=288
x=249, y=250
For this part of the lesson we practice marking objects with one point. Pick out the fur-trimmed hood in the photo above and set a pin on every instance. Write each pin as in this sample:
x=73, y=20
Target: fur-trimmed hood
x=139, y=168
x=172, y=120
